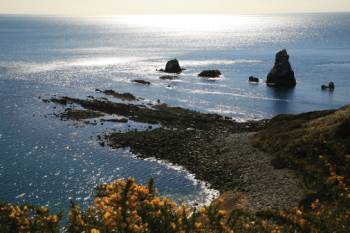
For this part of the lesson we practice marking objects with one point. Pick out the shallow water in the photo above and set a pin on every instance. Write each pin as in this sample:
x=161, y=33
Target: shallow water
x=46, y=161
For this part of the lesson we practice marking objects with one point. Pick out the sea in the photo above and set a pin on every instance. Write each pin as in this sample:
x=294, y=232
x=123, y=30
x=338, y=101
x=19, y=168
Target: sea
x=46, y=161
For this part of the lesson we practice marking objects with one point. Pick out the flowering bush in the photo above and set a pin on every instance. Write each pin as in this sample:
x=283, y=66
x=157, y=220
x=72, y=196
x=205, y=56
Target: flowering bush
x=126, y=207
x=25, y=218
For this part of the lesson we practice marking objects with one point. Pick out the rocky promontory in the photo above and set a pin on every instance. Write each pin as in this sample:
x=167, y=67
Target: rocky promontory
x=214, y=148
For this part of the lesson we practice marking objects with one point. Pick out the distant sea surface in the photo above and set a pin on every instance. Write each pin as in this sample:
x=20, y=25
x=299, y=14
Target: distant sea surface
x=48, y=162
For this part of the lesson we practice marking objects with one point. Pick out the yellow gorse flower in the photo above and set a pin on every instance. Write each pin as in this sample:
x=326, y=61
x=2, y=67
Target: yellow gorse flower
x=93, y=230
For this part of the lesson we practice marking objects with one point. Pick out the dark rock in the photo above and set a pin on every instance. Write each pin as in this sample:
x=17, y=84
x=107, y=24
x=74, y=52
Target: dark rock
x=210, y=74
x=122, y=96
x=253, y=79
x=331, y=86
x=102, y=144
x=121, y=120
x=79, y=114
x=168, y=77
x=140, y=81
x=282, y=73
x=172, y=66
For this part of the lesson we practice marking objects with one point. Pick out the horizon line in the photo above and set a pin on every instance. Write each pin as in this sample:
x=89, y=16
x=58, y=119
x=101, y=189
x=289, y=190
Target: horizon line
x=170, y=14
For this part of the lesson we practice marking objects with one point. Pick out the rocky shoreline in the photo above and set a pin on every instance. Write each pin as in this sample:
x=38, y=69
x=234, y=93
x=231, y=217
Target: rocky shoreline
x=216, y=149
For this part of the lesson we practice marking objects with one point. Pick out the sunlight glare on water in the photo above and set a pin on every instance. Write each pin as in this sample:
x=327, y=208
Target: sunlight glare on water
x=192, y=23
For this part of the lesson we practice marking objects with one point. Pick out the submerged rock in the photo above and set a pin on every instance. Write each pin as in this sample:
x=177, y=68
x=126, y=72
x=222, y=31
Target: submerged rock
x=168, y=77
x=253, y=79
x=117, y=120
x=140, y=81
x=79, y=114
x=210, y=74
x=282, y=73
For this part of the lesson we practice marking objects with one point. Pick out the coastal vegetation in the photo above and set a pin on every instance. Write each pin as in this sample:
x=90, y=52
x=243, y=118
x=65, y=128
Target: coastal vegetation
x=124, y=206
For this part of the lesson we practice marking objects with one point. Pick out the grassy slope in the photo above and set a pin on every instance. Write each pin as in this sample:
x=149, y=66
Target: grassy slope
x=298, y=141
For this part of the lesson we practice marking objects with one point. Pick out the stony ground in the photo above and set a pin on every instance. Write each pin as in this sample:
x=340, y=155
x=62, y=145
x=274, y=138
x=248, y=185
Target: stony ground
x=261, y=185
x=225, y=159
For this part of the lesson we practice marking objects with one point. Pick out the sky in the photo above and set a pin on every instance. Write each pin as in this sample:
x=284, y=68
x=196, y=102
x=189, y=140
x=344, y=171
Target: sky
x=114, y=7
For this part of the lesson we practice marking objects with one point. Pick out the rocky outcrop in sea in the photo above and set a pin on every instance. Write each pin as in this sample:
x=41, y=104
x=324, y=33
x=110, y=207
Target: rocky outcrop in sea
x=282, y=73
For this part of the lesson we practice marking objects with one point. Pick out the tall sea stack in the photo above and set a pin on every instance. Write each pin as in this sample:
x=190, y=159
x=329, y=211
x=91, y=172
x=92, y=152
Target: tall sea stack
x=282, y=73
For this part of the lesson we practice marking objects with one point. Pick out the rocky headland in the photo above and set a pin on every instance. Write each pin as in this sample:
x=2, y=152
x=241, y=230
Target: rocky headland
x=231, y=156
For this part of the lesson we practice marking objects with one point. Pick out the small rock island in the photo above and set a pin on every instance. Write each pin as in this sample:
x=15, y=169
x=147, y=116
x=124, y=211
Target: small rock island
x=210, y=74
x=172, y=66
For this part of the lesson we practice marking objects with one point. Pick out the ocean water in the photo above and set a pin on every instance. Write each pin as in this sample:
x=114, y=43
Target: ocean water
x=49, y=162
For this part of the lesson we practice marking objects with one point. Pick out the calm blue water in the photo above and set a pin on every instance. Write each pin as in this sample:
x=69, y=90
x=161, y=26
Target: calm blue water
x=46, y=161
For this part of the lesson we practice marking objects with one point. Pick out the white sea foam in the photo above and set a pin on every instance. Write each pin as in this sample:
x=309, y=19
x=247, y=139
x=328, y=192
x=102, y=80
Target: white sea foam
x=194, y=63
x=342, y=64
x=250, y=95
x=20, y=195
x=209, y=193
